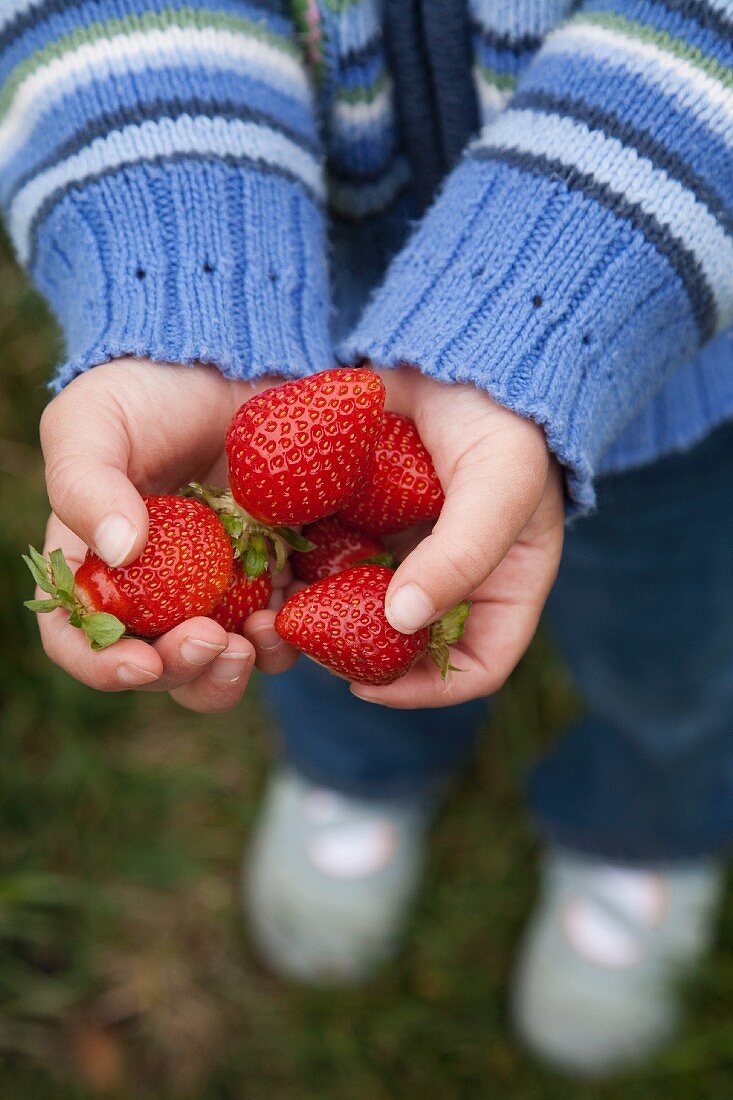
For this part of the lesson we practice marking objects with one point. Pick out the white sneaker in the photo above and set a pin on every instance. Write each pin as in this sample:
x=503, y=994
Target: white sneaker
x=330, y=879
x=596, y=987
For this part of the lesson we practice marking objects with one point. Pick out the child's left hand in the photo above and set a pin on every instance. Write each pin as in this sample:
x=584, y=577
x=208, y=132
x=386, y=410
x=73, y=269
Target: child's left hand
x=497, y=542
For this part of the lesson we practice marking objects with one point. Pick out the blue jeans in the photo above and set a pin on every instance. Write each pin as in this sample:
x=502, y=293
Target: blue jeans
x=643, y=612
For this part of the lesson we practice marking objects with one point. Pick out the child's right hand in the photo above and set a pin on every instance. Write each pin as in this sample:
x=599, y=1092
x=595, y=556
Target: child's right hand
x=122, y=429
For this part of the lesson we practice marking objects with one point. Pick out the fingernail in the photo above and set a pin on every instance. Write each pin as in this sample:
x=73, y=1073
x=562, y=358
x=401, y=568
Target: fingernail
x=195, y=651
x=409, y=609
x=230, y=667
x=134, y=676
x=366, y=698
x=114, y=538
x=267, y=639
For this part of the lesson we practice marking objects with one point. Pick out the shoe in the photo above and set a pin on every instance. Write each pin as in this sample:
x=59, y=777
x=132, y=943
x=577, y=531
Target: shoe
x=330, y=879
x=596, y=988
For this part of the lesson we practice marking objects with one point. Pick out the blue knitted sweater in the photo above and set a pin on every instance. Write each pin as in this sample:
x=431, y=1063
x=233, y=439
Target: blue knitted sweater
x=170, y=171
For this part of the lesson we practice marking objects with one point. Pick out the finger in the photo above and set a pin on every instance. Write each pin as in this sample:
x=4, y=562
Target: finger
x=281, y=595
x=87, y=453
x=273, y=655
x=129, y=663
x=284, y=578
x=501, y=625
x=492, y=492
x=423, y=687
x=182, y=653
x=187, y=650
x=58, y=535
x=277, y=599
x=503, y=631
x=222, y=684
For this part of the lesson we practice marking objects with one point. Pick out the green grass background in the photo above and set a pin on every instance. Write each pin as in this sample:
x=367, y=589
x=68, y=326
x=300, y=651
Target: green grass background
x=124, y=966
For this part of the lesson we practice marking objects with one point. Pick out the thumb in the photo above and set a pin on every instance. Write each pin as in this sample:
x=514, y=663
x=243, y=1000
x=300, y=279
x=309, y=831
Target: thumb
x=491, y=496
x=86, y=449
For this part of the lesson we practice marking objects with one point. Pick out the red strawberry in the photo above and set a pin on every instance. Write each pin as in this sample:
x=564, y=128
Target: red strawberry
x=183, y=570
x=337, y=546
x=297, y=452
x=402, y=487
x=340, y=622
x=241, y=599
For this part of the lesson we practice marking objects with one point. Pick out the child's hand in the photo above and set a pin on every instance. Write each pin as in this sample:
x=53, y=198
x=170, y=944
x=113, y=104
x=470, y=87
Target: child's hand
x=127, y=428
x=497, y=542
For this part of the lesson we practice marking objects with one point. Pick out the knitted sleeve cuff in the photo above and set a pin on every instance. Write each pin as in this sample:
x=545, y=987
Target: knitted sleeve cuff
x=556, y=303
x=189, y=261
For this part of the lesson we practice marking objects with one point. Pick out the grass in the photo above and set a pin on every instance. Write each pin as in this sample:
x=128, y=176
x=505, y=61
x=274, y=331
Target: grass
x=124, y=967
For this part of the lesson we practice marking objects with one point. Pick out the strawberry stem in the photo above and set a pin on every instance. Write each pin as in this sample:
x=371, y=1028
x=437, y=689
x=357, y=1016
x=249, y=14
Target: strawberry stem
x=446, y=632
x=252, y=541
x=54, y=576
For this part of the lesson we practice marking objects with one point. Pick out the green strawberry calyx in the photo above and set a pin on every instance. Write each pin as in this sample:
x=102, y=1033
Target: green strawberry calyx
x=54, y=576
x=386, y=559
x=252, y=541
x=446, y=632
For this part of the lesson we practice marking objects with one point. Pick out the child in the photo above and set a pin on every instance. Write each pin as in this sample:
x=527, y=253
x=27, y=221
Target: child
x=556, y=325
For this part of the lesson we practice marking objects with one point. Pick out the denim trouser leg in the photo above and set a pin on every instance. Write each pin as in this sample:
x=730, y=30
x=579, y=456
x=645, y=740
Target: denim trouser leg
x=643, y=610
x=342, y=742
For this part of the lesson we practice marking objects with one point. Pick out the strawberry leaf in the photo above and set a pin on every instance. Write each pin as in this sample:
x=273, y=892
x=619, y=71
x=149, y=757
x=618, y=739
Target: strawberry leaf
x=386, y=559
x=42, y=606
x=294, y=540
x=102, y=629
x=453, y=623
x=62, y=575
x=281, y=554
x=445, y=633
x=39, y=570
x=255, y=557
x=231, y=524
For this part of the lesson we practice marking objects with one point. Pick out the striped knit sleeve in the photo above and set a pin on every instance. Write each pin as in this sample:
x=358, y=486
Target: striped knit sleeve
x=583, y=249
x=161, y=179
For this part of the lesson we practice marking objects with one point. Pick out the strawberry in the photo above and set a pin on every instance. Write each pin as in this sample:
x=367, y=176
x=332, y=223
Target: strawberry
x=183, y=570
x=297, y=452
x=241, y=599
x=402, y=487
x=340, y=623
x=336, y=546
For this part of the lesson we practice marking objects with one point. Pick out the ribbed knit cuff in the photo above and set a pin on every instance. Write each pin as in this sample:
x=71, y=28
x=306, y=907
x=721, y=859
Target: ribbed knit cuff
x=188, y=262
x=557, y=305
